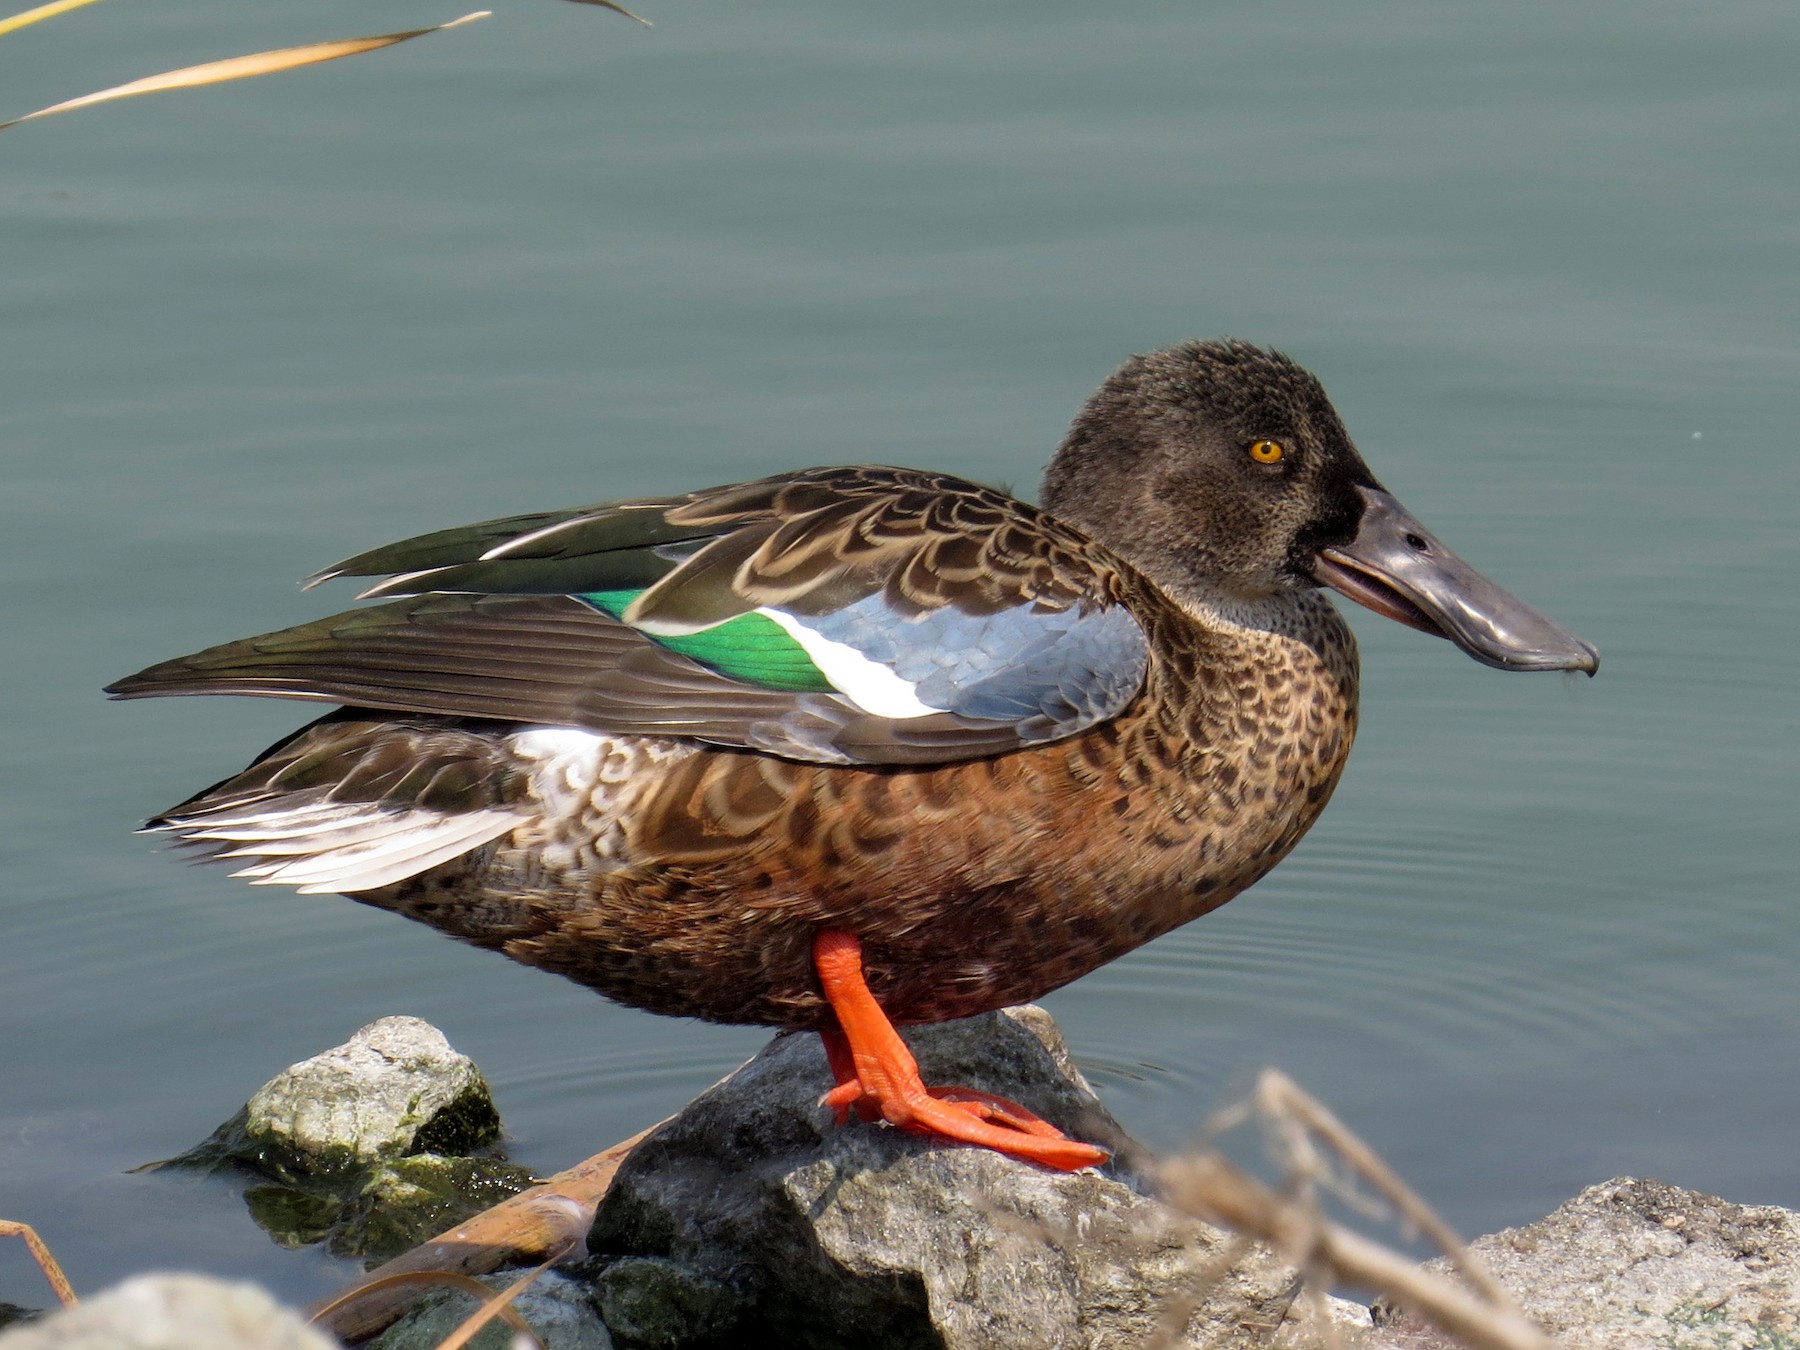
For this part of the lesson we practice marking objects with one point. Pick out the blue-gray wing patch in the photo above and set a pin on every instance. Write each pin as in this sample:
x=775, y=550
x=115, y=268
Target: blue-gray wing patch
x=1048, y=673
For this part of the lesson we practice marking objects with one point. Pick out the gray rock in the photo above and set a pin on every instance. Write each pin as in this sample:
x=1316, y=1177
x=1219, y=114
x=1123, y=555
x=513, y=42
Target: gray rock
x=1642, y=1265
x=172, y=1312
x=558, y=1309
x=393, y=1089
x=751, y=1218
x=361, y=1145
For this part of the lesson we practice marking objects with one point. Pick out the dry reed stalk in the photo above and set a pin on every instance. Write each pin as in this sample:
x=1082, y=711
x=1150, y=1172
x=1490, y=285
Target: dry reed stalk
x=38, y=15
x=53, y=1273
x=540, y=1224
x=242, y=67
x=1210, y=1187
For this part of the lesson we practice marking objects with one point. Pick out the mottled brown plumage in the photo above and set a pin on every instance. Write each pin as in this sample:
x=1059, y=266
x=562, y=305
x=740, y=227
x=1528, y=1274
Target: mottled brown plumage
x=1137, y=702
x=973, y=885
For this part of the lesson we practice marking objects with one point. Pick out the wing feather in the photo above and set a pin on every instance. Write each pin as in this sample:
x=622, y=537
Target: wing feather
x=1009, y=625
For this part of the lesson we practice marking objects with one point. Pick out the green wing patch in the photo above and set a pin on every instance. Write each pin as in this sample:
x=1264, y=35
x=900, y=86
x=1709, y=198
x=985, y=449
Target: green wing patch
x=751, y=648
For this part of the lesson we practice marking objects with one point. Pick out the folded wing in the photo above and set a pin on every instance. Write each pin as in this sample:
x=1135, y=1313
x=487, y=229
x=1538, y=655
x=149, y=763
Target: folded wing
x=875, y=616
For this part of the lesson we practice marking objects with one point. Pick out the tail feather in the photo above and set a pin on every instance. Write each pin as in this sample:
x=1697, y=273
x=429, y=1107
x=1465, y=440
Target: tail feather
x=350, y=804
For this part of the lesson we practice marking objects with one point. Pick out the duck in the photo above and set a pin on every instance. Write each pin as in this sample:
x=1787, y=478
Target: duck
x=849, y=749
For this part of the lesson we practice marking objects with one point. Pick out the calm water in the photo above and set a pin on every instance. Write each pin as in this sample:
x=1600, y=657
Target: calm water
x=1542, y=255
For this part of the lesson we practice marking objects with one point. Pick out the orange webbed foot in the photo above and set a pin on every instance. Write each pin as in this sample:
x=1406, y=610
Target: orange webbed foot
x=878, y=1078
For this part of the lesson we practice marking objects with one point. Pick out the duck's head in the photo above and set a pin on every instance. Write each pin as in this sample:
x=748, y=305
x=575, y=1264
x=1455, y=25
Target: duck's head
x=1222, y=472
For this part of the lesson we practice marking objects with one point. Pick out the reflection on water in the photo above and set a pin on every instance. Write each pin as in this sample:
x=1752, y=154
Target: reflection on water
x=1543, y=935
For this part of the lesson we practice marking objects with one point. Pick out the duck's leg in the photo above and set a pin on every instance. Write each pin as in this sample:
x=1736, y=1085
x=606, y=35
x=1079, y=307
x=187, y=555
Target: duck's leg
x=877, y=1073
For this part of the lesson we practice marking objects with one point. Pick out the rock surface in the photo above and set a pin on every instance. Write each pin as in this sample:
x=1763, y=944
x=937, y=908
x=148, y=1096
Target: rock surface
x=751, y=1218
x=1642, y=1265
x=361, y=1145
x=171, y=1312
x=560, y=1310
x=393, y=1089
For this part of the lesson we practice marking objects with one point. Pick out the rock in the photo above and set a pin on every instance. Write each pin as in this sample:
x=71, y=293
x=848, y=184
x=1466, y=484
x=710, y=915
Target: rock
x=394, y=1089
x=1642, y=1265
x=172, y=1312
x=383, y=1212
x=558, y=1309
x=649, y=1301
x=411, y=1200
x=362, y=1144
x=752, y=1218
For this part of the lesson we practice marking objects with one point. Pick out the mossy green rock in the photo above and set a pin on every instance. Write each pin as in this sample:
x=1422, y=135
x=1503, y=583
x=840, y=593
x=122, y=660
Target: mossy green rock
x=409, y=1200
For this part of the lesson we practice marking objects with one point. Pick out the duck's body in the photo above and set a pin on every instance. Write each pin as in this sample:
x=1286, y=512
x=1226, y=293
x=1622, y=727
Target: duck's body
x=690, y=881
x=693, y=753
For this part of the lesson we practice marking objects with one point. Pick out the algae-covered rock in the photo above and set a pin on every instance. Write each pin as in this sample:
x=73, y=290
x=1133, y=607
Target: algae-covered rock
x=393, y=1089
x=557, y=1308
x=409, y=1200
x=752, y=1219
x=383, y=1212
x=364, y=1147
x=172, y=1312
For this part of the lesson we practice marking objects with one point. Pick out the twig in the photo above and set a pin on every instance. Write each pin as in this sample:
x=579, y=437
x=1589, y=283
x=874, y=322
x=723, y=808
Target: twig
x=530, y=1226
x=59, y=1282
x=1210, y=1187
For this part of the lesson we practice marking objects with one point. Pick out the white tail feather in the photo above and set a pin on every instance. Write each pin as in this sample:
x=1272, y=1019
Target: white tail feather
x=342, y=847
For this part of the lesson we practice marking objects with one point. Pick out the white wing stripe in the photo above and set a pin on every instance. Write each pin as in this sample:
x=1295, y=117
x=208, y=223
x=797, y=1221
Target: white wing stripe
x=868, y=684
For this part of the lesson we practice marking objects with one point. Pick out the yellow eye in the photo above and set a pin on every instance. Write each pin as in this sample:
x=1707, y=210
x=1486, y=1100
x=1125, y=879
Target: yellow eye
x=1266, y=452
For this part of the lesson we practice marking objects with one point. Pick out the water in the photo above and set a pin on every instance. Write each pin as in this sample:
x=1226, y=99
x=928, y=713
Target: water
x=1542, y=257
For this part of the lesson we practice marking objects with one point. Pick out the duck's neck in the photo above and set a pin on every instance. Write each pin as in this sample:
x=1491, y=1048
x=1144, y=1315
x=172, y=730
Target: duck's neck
x=1306, y=616
x=1218, y=650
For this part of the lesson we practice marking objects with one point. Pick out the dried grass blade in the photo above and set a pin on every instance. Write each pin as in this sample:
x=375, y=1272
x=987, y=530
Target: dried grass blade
x=603, y=4
x=243, y=67
x=497, y=1306
x=38, y=15
x=1211, y=1188
x=1280, y=1093
x=40, y=1252
x=448, y=1279
x=533, y=1225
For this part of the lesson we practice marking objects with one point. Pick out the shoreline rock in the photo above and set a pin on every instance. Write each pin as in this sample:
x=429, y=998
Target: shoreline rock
x=369, y=1147
x=394, y=1089
x=752, y=1218
x=1635, y=1264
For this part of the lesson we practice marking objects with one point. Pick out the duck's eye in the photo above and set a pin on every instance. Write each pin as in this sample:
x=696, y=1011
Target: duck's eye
x=1266, y=452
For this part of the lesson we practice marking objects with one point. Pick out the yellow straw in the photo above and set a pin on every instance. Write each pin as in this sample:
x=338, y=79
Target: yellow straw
x=31, y=16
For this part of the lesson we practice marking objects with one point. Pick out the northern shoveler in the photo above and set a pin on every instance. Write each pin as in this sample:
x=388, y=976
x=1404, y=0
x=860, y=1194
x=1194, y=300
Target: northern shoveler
x=851, y=747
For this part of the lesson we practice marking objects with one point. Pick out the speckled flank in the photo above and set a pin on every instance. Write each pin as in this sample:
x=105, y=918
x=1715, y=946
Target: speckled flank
x=690, y=881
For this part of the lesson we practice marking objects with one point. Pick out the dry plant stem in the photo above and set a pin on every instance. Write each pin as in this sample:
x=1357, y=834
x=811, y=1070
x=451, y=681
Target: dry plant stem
x=59, y=1283
x=604, y=4
x=531, y=1226
x=38, y=15
x=1280, y=1097
x=1213, y=1189
x=492, y=1305
x=498, y=1305
x=243, y=67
